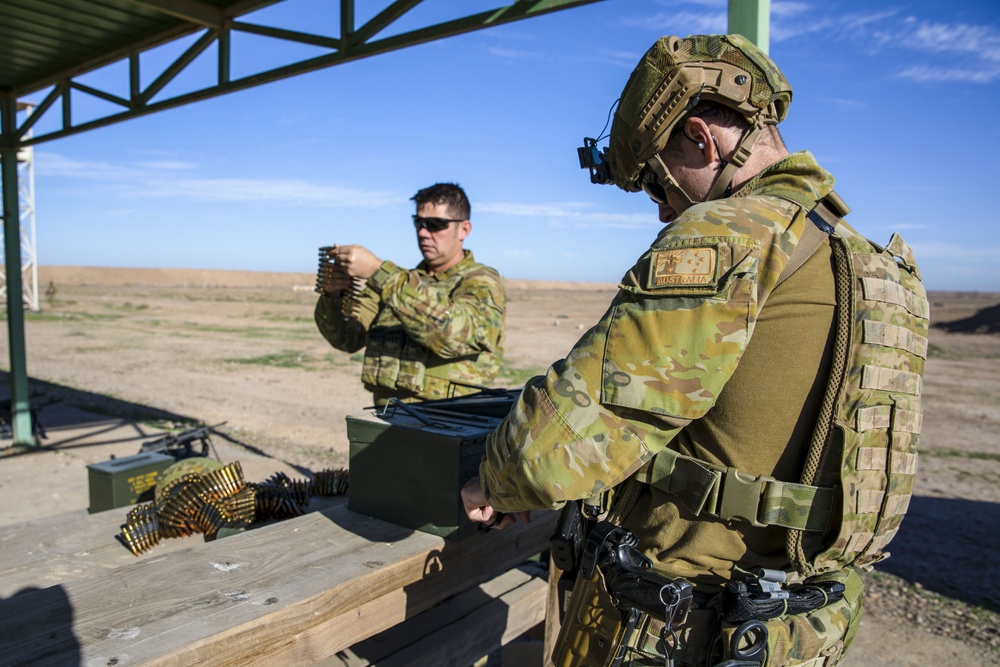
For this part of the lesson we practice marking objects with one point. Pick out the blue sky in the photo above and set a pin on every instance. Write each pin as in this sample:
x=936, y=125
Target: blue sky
x=898, y=99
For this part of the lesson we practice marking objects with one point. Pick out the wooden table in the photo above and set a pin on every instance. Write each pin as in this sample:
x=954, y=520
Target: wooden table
x=295, y=592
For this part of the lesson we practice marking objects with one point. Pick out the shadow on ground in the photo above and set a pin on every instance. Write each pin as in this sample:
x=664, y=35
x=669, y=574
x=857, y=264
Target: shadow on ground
x=45, y=393
x=985, y=321
x=948, y=546
x=70, y=418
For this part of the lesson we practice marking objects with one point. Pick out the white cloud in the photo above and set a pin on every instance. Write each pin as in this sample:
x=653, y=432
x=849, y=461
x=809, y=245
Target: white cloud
x=55, y=164
x=845, y=26
x=938, y=52
x=967, y=254
x=704, y=3
x=682, y=23
x=904, y=226
x=172, y=165
x=267, y=190
x=624, y=59
x=160, y=179
x=570, y=215
x=926, y=74
x=981, y=41
x=783, y=9
x=518, y=54
x=517, y=210
x=957, y=52
x=848, y=104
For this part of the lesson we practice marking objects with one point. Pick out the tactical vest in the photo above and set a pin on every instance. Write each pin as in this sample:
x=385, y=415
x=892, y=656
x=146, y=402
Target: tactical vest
x=861, y=464
x=856, y=481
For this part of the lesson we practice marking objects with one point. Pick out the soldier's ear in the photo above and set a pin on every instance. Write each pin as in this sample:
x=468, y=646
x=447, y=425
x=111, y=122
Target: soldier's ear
x=699, y=133
x=464, y=229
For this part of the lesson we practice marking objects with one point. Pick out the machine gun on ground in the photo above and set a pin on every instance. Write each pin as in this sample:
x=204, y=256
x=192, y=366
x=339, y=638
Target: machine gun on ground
x=182, y=445
x=7, y=422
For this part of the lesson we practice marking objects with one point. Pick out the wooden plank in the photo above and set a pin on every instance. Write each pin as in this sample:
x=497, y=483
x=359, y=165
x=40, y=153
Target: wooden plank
x=56, y=549
x=488, y=628
x=296, y=591
x=512, y=601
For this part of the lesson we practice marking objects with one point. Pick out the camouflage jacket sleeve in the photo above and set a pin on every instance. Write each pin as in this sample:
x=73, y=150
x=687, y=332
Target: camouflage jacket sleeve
x=451, y=320
x=344, y=333
x=657, y=359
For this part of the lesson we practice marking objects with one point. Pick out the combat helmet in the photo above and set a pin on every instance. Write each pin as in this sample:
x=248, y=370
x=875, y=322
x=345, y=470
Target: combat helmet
x=671, y=79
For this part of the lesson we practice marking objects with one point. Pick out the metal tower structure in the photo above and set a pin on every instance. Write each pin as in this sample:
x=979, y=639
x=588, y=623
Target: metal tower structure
x=26, y=217
x=751, y=18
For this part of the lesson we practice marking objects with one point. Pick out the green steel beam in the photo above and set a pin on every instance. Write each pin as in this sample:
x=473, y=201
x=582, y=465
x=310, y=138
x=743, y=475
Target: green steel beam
x=352, y=44
x=751, y=18
x=20, y=407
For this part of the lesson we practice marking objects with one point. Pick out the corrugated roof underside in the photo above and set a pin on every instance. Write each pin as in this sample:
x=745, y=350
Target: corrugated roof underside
x=40, y=39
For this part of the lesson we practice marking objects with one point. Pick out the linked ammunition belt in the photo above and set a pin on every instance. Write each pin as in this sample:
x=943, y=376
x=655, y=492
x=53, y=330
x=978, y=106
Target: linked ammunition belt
x=326, y=274
x=196, y=503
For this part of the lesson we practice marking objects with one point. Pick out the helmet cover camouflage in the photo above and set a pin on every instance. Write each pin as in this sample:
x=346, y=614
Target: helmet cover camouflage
x=673, y=76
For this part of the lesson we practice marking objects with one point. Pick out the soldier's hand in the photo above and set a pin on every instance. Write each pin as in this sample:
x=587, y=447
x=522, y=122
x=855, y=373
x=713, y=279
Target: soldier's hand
x=356, y=261
x=331, y=279
x=478, y=509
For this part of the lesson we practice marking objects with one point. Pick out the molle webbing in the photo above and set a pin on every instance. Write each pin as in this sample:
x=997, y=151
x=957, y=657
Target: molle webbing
x=887, y=291
x=728, y=494
x=890, y=335
x=867, y=447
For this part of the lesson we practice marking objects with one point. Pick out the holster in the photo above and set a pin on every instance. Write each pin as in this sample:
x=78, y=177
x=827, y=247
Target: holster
x=590, y=627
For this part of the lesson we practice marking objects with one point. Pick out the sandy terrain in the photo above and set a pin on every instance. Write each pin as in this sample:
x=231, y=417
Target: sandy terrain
x=165, y=348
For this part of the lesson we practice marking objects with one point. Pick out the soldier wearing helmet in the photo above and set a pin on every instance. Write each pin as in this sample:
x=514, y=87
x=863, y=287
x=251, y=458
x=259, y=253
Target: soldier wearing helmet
x=705, y=429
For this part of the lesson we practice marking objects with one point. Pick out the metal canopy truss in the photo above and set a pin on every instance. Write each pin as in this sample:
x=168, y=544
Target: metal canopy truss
x=49, y=46
x=213, y=24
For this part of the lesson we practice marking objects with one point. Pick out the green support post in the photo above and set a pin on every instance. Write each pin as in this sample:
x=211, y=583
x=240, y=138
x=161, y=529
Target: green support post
x=20, y=407
x=751, y=18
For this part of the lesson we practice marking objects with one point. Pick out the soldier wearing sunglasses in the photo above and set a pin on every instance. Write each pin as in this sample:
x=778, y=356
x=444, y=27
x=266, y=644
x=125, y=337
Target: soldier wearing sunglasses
x=429, y=332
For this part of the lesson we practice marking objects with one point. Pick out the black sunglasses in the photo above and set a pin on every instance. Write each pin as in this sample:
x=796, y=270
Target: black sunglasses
x=652, y=187
x=432, y=224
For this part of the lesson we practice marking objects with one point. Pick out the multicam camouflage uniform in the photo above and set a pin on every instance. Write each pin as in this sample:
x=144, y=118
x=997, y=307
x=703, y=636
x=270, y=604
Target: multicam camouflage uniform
x=688, y=358
x=422, y=331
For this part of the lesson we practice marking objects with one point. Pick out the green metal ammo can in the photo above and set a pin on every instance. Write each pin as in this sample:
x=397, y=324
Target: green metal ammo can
x=409, y=462
x=125, y=481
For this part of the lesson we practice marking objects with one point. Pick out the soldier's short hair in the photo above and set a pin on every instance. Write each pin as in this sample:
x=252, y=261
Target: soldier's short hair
x=449, y=194
x=725, y=116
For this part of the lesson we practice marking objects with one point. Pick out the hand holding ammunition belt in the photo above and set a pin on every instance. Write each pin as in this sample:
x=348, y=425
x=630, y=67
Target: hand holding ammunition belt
x=330, y=280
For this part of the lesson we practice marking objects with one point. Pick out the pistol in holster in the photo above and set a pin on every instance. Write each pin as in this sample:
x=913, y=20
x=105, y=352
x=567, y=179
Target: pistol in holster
x=615, y=588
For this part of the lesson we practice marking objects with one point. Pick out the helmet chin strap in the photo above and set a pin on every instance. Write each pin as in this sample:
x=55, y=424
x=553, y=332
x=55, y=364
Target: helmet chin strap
x=723, y=184
x=660, y=169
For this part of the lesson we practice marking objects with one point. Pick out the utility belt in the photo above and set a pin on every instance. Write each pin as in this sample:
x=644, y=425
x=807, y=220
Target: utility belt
x=622, y=612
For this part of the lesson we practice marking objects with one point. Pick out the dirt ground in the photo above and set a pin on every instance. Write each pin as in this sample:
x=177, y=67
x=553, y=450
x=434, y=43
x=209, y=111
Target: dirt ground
x=169, y=349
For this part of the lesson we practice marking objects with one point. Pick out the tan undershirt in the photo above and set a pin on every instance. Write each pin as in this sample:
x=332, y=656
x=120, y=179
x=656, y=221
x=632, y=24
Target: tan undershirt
x=761, y=424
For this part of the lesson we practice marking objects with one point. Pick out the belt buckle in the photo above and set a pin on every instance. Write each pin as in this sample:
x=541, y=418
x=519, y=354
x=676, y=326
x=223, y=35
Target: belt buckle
x=739, y=499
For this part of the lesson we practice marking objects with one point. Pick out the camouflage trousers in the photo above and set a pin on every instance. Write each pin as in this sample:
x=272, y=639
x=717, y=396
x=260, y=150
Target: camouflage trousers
x=592, y=634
